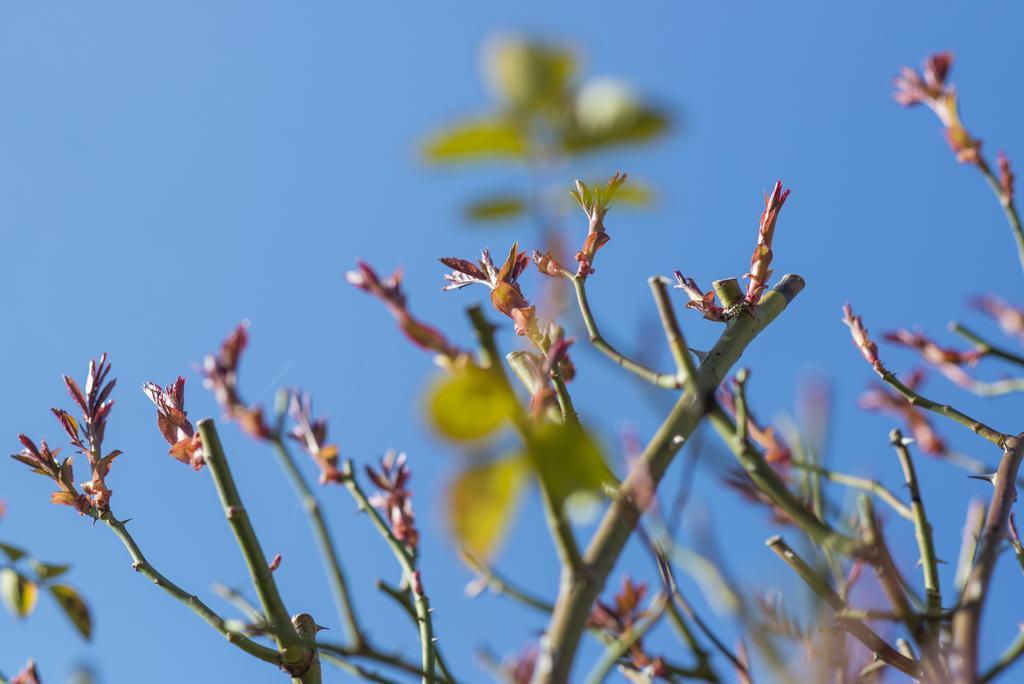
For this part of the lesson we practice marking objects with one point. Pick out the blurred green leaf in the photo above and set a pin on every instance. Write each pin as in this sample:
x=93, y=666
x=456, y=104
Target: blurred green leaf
x=13, y=553
x=496, y=208
x=639, y=126
x=49, y=570
x=568, y=461
x=475, y=140
x=19, y=594
x=470, y=404
x=632, y=194
x=74, y=607
x=482, y=501
x=528, y=74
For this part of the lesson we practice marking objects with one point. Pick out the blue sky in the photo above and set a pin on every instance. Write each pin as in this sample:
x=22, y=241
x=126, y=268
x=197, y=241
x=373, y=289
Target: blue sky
x=166, y=173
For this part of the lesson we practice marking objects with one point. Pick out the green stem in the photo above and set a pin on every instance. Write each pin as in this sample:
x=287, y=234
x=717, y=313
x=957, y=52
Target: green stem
x=915, y=399
x=863, y=483
x=325, y=543
x=408, y=565
x=497, y=584
x=984, y=346
x=1012, y=653
x=404, y=601
x=575, y=599
x=856, y=628
x=259, y=570
x=144, y=568
x=673, y=333
x=923, y=534
x=969, y=542
x=1009, y=208
x=665, y=380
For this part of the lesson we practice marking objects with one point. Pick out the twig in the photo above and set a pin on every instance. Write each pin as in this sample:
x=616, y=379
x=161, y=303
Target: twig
x=923, y=534
x=575, y=600
x=665, y=380
x=324, y=541
x=238, y=600
x=856, y=628
x=357, y=670
x=673, y=333
x=498, y=584
x=405, y=560
x=144, y=568
x=967, y=620
x=969, y=542
x=1007, y=203
x=404, y=601
x=984, y=346
x=863, y=483
x=1008, y=657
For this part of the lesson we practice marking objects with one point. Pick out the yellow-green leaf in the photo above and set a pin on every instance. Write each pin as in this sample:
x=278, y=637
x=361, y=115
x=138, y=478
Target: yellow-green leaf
x=639, y=126
x=470, y=404
x=475, y=140
x=482, y=501
x=527, y=74
x=74, y=607
x=496, y=208
x=18, y=593
x=49, y=570
x=568, y=461
x=13, y=553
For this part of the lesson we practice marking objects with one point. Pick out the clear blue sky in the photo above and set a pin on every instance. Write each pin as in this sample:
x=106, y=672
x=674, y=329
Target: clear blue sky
x=167, y=172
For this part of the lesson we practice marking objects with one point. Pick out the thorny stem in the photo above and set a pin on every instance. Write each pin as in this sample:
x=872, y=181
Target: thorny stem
x=143, y=567
x=621, y=645
x=575, y=599
x=1008, y=205
x=969, y=542
x=328, y=550
x=984, y=346
x=402, y=598
x=967, y=620
x=665, y=380
x=863, y=483
x=923, y=534
x=405, y=560
x=915, y=399
x=856, y=628
x=259, y=571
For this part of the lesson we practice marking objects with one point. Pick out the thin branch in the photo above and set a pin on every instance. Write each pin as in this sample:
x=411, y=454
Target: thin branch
x=144, y=568
x=357, y=670
x=673, y=333
x=984, y=346
x=572, y=608
x=404, y=601
x=863, y=483
x=856, y=628
x=407, y=563
x=1007, y=203
x=923, y=534
x=498, y=584
x=1008, y=657
x=240, y=602
x=969, y=542
x=665, y=380
x=967, y=620
x=324, y=541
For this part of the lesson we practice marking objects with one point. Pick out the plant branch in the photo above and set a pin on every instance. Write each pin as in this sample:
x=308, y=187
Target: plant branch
x=328, y=550
x=665, y=380
x=967, y=619
x=673, y=333
x=575, y=600
x=408, y=565
x=497, y=584
x=923, y=534
x=863, y=483
x=144, y=568
x=259, y=570
x=984, y=346
x=621, y=645
x=855, y=628
x=1008, y=205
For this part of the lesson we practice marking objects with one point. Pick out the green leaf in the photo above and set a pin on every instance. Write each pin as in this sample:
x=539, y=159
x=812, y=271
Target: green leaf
x=568, y=461
x=632, y=194
x=496, y=208
x=13, y=553
x=638, y=126
x=74, y=607
x=47, y=571
x=529, y=75
x=475, y=140
x=470, y=404
x=18, y=593
x=482, y=501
